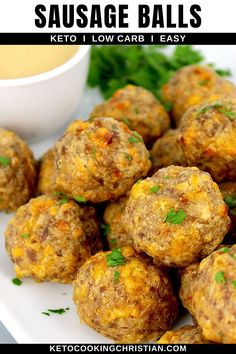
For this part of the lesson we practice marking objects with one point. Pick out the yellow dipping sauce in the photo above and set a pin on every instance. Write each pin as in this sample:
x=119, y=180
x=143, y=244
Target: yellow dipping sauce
x=17, y=61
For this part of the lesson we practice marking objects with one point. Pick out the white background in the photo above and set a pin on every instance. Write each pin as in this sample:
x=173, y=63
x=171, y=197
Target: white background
x=217, y=15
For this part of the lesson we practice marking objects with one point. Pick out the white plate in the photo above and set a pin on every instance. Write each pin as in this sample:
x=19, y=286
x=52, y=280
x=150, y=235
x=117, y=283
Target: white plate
x=21, y=307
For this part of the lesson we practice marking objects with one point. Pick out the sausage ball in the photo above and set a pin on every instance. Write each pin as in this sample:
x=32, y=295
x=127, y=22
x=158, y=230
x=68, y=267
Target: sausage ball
x=167, y=151
x=47, y=239
x=177, y=216
x=99, y=160
x=208, y=135
x=214, y=297
x=17, y=171
x=47, y=174
x=137, y=302
x=185, y=335
x=114, y=227
x=194, y=85
x=139, y=109
x=228, y=189
x=187, y=280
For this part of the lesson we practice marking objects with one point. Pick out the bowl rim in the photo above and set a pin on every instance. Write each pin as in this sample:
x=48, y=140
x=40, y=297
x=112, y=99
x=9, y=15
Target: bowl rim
x=34, y=79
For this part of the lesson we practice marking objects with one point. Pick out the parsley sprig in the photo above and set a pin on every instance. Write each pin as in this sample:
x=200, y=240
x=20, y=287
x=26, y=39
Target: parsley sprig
x=113, y=67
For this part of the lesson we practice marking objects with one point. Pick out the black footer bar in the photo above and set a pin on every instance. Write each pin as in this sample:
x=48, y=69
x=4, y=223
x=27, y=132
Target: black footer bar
x=123, y=348
x=118, y=38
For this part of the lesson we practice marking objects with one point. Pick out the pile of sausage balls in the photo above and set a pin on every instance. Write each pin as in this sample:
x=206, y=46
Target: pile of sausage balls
x=137, y=208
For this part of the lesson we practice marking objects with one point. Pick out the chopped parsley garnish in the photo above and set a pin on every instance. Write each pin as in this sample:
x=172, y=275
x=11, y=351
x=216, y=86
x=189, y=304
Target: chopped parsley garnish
x=135, y=138
x=25, y=235
x=4, y=161
x=203, y=82
x=46, y=313
x=234, y=283
x=58, y=311
x=175, y=217
x=209, y=107
x=155, y=189
x=113, y=240
x=126, y=121
x=230, y=200
x=234, y=256
x=224, y=249
x=136, y=110
x=94, y=150
x=80, y=199
x=115, y=258
x=220, y=108
x=228, y=113
x=220, y=278
x=138, y=181
x=63, y=197
x=116, y=276
x=128, y=157
x=114, y=127
x=166, y=177
x=16, y=281
x=106, y=229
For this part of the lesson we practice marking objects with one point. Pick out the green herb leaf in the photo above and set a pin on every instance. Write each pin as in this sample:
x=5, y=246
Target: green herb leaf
x=58, y=311
x=128, y=157
x=234, y=256
x=136, y=110
x=222, y=72
x=106, y=229
x=166, y=177
x=80, y=199
x=25, y=235
x=94, y=150
x=233, y=212
x=234, y=283
x=4, y=161
x=135, y=138
x=224, y=249
x=220, y=278
x=16, y=281
x=115, y=258
x=220, y=108
x=230, y=201
x=113, y=240
x=116, y=276
x=204, y=82
x=138, y=181
x=64, y=198
x=209, y=107
x=175, y=217
x=228, y=113
x=126, y=121
x=168, y=106
x=155, y=189
x=46, y=313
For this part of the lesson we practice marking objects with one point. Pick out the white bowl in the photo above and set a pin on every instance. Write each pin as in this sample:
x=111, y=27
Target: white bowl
x=35, y=107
